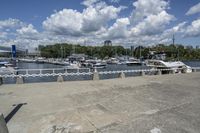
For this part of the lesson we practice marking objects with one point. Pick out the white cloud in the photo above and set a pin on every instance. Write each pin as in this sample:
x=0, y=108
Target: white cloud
x=118, y=30
x=74, y=23
x=99, y=21
x=193, y=10
x=66, y=22
x=10, y=23
x=193, y=30
x=144, y=8
x=89, y=2
x=95, y=18
x=152, y=24
x=28, y=30
x=3, y=35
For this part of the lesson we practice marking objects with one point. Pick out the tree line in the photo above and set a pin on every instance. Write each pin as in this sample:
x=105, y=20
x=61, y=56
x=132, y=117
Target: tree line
x=173, y=52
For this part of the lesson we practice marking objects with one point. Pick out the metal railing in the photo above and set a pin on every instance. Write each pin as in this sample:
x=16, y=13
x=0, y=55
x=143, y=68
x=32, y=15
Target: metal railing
x=47, y=72
x=81, y=73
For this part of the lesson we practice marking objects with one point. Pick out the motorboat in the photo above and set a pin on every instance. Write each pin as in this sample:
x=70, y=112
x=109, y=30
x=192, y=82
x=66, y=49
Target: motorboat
x=40, y=60
x=74, y=65
x=113, y=61
x=133, y=62
x=177, y=66
x=28, y=60
x=99, y=65
x=6, y=68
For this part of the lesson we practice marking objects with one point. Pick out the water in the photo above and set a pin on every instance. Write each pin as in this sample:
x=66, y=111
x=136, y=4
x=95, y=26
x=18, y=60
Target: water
x=192, y=63
x=23, y=65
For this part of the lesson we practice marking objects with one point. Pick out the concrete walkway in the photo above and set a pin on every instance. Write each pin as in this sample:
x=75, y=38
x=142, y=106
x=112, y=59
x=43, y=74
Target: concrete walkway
x=149, y=104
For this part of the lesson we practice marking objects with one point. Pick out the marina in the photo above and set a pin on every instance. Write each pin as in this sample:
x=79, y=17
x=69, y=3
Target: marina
x=33, y=72
x=100, y=66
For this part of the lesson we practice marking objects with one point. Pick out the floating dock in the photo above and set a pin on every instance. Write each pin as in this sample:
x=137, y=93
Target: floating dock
x=146, y=104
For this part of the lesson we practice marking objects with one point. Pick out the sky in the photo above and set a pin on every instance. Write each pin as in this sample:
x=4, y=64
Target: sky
x=29, y=23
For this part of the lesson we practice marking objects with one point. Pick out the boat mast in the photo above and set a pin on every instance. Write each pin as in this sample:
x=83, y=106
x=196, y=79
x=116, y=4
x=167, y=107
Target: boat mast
x=140, y=51
x=173, y=39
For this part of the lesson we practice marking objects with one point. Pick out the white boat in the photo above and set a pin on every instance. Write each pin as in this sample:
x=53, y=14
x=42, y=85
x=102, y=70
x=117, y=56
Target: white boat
x=99, y=65
x=133, y=62
x=66, y=63
x=6, y=68
x=178, y=66
x=74, y=65
x=29, y=60
x=41, y=60
x=113, y=61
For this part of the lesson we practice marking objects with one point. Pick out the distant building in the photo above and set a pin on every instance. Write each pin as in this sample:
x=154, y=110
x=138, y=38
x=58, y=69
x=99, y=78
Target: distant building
x=7, y=51
x=108, y=43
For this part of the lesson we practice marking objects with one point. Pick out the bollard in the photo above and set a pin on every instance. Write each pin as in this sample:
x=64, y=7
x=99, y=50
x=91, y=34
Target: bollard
x=1, y=80
x=142, y=73
x=60, y=79
x=19, y=80
x=95, y=75
x=159, y=72
x=122, y=75
x=3, y=126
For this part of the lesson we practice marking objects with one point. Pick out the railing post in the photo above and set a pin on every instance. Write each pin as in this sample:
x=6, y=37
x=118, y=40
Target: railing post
x=40, y=71
x=142, y=73
x=95, y=75
x=26, y=71
x=66, y=71
x=78, y=70
x=122, y=75
x=3, y=126
x=60, y=79
x=159, y=72
x=20, y=80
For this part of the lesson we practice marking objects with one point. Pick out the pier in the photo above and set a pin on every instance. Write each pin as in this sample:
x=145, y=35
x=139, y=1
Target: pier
x=153, y=104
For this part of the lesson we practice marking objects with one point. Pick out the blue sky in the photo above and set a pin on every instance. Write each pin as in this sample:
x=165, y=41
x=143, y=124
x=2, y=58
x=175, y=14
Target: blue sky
x=127, y=22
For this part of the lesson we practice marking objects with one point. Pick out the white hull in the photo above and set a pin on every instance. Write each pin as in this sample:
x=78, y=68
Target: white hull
x=177, y=66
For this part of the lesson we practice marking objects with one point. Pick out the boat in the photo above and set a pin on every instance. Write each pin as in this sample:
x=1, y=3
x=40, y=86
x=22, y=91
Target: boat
x=133, y=62
x=177, y=66
x=99, y=65
x=40, y=60
x=28, y=60
x=113, y=61
x=74, y=65
x=6, y=68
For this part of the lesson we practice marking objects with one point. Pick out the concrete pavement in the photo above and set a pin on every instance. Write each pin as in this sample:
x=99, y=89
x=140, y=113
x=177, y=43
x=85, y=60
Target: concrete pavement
x=149, y=104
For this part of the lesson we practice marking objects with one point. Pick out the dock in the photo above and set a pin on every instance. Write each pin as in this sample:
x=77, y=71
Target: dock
x=145, y=104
